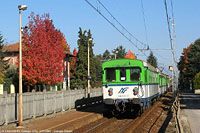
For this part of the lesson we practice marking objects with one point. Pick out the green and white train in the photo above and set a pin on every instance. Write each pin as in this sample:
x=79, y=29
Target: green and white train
x=131, y=84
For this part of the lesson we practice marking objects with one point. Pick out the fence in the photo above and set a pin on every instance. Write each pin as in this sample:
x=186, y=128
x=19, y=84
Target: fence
x=36, y=104
x=176, y=113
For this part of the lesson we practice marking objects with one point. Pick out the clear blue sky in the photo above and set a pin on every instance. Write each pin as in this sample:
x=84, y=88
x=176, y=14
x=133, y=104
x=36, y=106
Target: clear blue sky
x=69, y=15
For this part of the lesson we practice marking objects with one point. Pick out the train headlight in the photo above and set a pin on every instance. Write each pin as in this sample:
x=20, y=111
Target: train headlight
x=135, y=91
x=110, y=91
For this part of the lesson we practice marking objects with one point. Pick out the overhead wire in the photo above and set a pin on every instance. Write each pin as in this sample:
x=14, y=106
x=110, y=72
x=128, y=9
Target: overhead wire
x=172, y=9
x=142, y=6
x=166, y=11
x=145, y=27
x=118, y=28
x=123, y=27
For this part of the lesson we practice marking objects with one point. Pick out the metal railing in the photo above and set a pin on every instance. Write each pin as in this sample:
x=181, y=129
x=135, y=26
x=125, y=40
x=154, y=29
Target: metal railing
x=176, y=114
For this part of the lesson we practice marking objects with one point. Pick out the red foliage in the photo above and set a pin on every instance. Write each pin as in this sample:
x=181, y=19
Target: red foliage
x=73, y=61
x=130, y=55
x=43, y=52
x=185, y=56
x=64, y=44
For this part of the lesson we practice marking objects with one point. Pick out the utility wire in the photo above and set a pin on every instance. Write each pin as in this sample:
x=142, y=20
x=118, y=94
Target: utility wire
x=162, y=56
x=168, y=23
x=123, y=28
x=145, y=27
x=120, y=23
x=117, y=28
x=146, y=31
x=172, y=9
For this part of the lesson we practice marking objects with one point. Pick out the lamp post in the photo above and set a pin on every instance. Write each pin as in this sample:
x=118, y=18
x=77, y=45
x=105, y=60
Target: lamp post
x=90, y=39
x=21, y=7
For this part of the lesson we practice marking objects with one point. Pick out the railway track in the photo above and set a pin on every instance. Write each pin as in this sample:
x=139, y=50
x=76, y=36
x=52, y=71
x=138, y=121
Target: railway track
x=150, y=121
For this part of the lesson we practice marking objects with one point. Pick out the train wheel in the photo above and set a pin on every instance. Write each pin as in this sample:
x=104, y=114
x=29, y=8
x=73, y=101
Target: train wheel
x=148, y=104
x=140, y=110
x=115, y=112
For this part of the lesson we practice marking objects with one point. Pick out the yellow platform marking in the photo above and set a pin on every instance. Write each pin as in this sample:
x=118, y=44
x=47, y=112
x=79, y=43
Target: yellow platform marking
x=68, y=122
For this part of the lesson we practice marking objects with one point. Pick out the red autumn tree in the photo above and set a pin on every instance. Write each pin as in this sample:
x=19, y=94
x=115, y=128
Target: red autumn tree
x=43, y=51
x=130, y=55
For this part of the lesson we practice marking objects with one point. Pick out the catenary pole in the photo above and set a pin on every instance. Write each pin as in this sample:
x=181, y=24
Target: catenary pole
x=89, y=67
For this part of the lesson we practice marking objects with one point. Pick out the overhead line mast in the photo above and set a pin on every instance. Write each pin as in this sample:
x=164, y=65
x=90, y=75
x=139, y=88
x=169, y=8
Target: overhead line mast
x=172, y=42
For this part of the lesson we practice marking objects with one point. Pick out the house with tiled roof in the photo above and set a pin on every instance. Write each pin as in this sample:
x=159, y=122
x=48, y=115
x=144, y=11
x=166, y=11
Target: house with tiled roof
x=12, y=52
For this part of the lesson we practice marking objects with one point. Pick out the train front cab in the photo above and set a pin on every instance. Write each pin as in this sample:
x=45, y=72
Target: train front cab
x=123, y=87
x=121, y=83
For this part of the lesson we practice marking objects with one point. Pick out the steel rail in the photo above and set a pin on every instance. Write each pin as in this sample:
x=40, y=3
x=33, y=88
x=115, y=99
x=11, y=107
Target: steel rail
x=100, y=124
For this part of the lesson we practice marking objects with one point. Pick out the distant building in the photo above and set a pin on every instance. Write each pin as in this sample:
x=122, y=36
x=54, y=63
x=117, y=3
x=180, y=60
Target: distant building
x=12, y=52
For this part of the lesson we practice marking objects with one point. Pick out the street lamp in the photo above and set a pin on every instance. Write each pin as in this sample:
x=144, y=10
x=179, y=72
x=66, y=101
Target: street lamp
x=90, y=39
x=21, y=7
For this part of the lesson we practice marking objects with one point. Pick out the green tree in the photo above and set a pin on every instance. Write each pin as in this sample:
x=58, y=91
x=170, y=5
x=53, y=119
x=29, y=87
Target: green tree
x=106, y=55
x=189, y=65
x=79, y=78
x=152, y=60
x=11, y=77
x=98, y=72
x=2, y=62
x=184, y=78
x=192, y=67
x=196, y=81
x=120, y=52
x=8, y=75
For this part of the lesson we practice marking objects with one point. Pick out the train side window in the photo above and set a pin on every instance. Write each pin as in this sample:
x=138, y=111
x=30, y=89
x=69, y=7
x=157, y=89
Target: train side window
x=146, y=76
x=110, y=74
x=122, y=74
x=135, y=74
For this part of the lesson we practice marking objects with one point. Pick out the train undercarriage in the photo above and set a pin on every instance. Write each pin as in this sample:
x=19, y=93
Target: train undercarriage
x=135, y=106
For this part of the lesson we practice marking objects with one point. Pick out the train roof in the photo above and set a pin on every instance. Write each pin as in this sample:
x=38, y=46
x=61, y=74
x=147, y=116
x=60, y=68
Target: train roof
x=128, y=62
x=164, y=75
x=150, y=66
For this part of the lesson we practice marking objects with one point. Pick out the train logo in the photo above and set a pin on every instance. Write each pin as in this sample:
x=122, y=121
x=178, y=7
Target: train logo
x=122, y=90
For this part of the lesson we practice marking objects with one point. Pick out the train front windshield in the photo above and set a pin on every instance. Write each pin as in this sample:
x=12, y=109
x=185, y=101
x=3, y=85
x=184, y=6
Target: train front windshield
x=110, y=74
x=135, y=74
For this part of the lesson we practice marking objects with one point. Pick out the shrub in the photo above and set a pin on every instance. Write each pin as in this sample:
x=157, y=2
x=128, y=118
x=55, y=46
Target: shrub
x=196, y=81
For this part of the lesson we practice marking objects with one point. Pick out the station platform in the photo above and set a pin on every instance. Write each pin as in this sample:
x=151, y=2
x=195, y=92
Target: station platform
x=63, y=122
x=190, y=111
